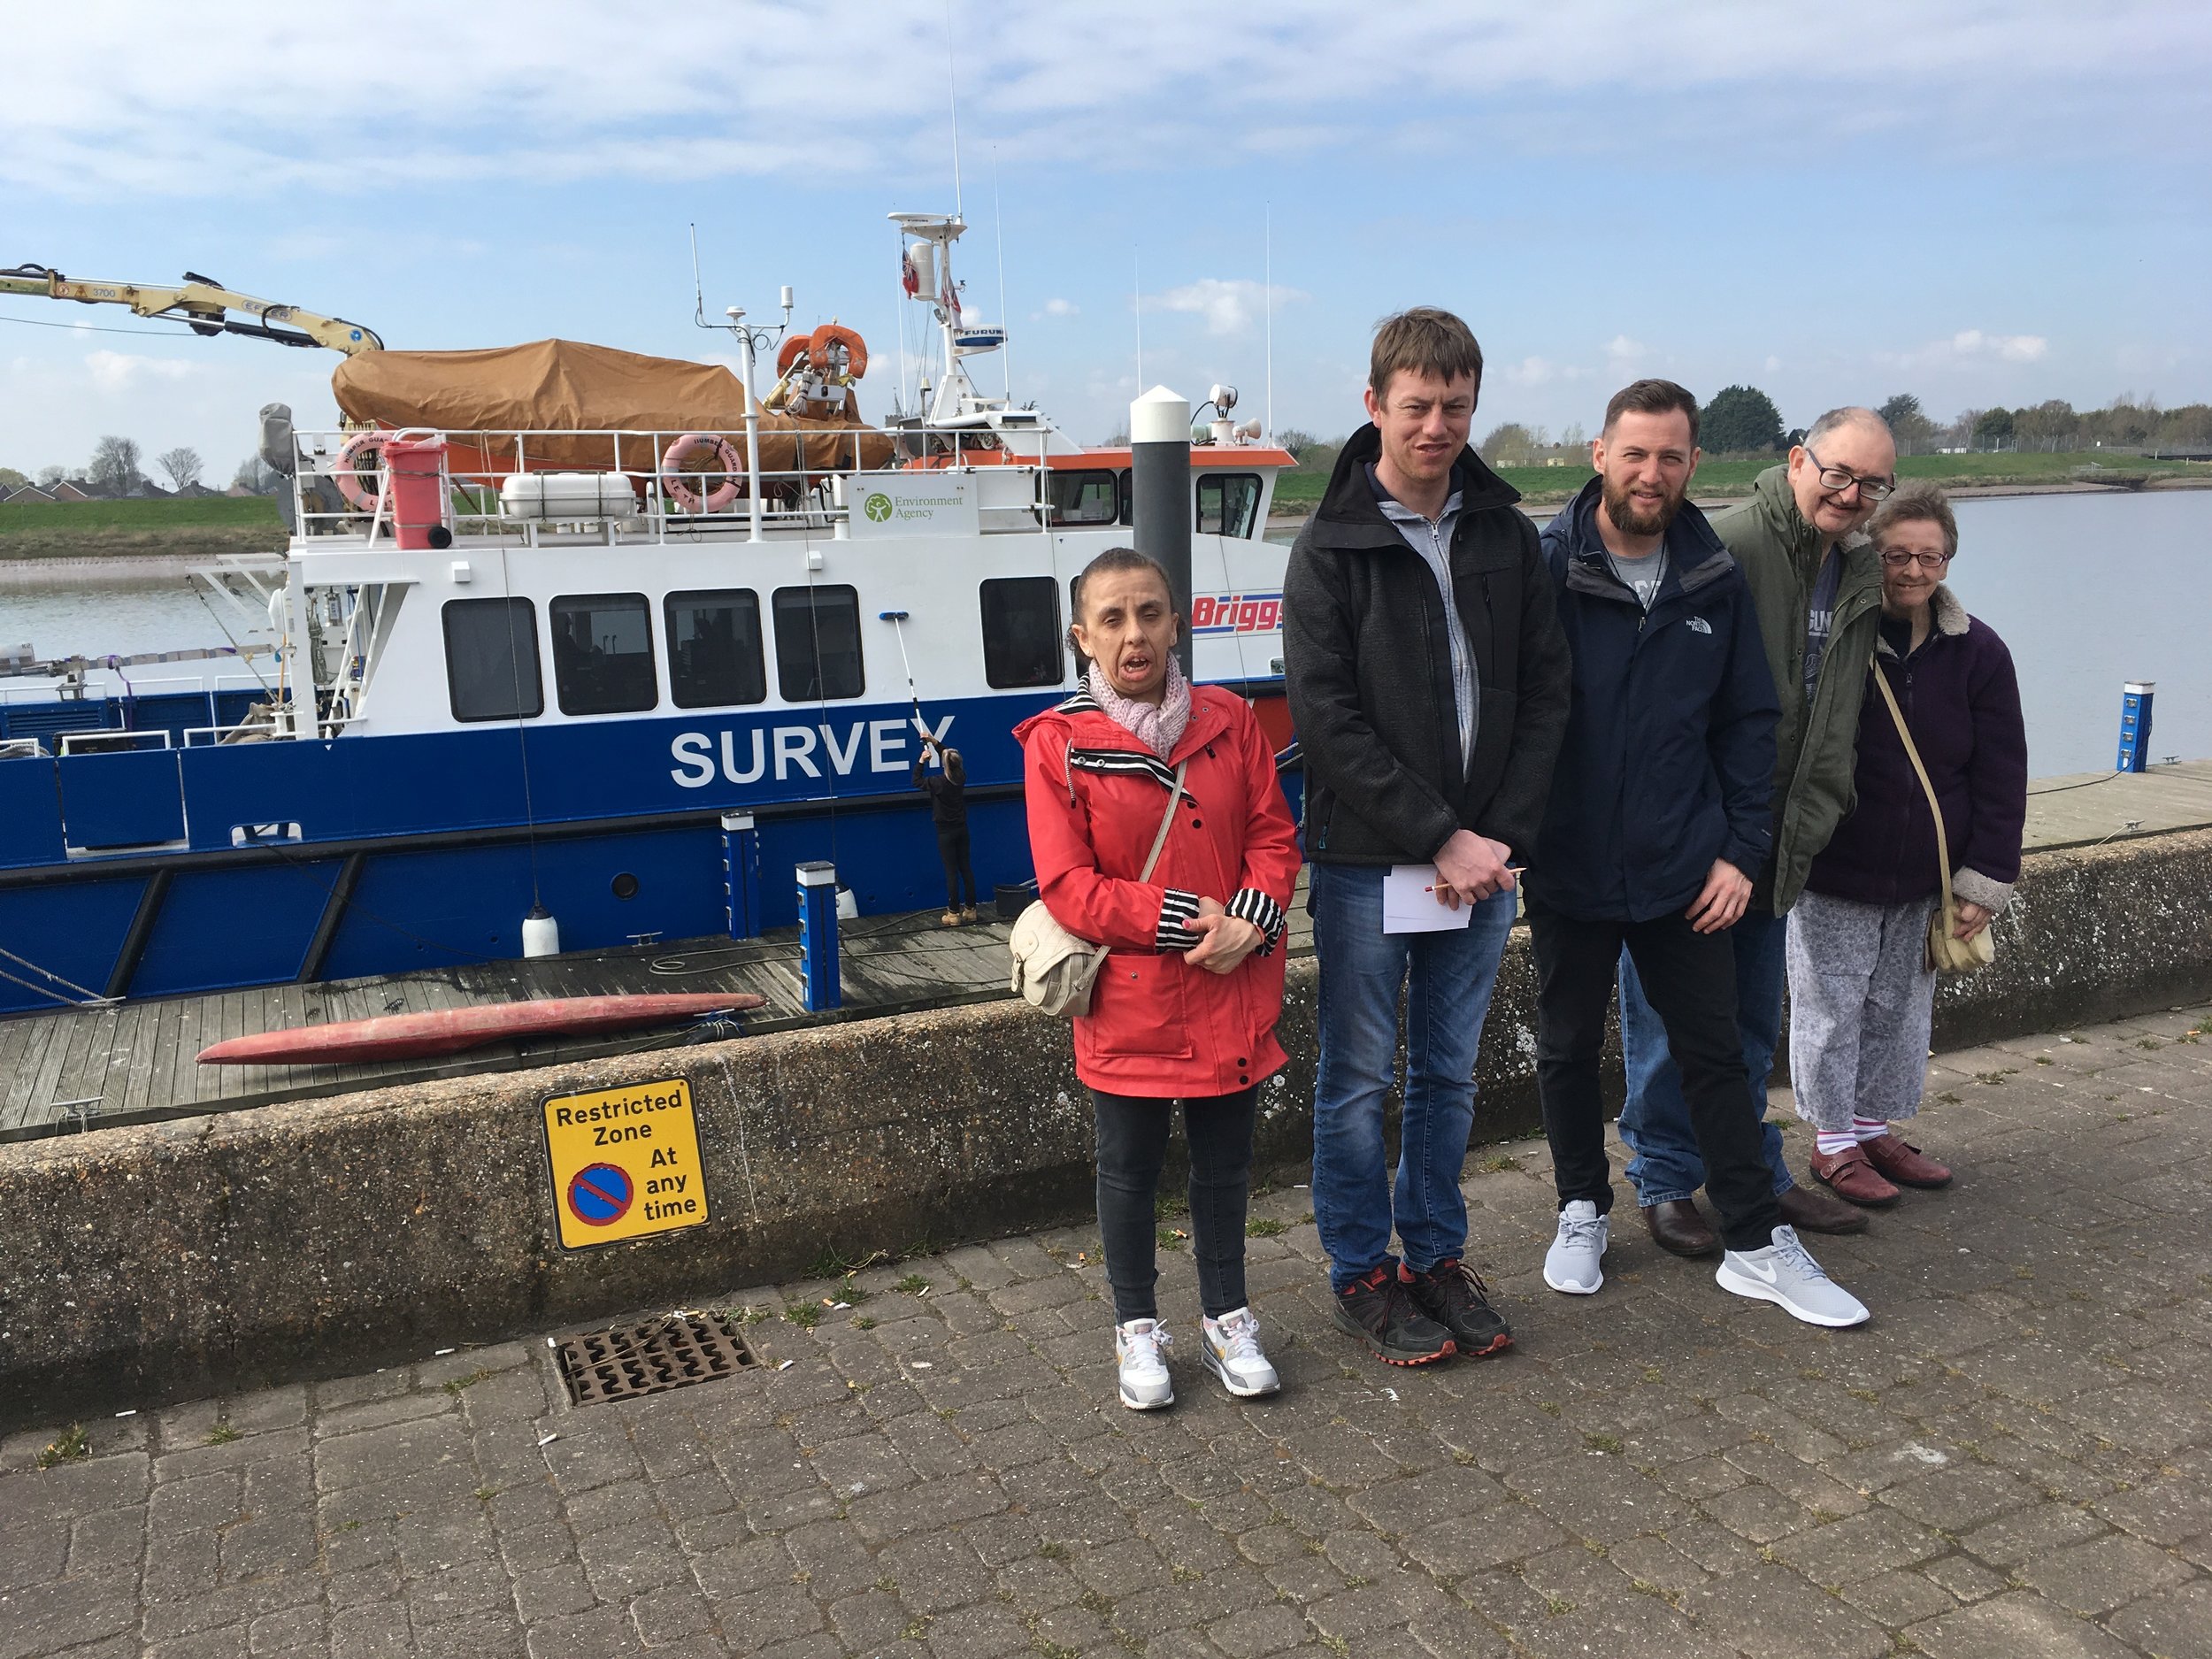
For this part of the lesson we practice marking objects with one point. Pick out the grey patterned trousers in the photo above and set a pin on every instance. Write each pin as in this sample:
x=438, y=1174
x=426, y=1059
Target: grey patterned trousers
x=1861, y=1001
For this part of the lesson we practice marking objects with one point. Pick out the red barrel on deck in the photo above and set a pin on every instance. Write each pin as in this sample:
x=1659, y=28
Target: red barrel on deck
x=416, y=467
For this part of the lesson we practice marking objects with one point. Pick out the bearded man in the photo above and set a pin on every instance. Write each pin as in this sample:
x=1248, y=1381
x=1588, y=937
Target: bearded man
x=1658, y=821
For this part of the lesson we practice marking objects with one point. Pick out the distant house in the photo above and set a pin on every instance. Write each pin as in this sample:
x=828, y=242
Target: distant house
x=146, y=489
x=29, y=495
x=240, y=489
x=70, y=489
x=195, y=491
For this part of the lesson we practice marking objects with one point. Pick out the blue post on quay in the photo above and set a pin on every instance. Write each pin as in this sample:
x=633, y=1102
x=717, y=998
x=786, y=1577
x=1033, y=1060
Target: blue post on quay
x=2135, y=726
x=817, y=936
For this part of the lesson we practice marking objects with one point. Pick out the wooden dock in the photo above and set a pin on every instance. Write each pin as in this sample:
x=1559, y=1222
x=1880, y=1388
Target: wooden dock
x=85, y=1068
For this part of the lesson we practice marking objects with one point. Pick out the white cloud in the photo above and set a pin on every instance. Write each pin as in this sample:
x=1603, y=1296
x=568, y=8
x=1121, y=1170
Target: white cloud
x=1230, y=305
x=100, y=100
x=119, y=371
x=1969, y=346
x=1622, y=349
x=1772, y=362
x=1532, y=371
x=1973, y=342
x=1059, y=308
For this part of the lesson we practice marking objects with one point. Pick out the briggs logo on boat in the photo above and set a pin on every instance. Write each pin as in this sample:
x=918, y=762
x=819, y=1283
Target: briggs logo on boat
x=1236, y=613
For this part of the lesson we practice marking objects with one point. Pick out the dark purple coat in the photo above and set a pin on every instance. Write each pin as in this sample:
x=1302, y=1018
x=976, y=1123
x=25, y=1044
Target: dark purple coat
x=1962, y=702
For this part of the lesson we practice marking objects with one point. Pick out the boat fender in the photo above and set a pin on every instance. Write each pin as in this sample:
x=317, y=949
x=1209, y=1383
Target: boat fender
x=540, y=934
x=726, y=462
x=358, y=465
x=826, y=339
x=794, y=349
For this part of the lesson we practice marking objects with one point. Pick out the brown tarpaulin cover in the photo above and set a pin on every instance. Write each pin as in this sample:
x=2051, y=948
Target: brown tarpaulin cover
x=564, y=385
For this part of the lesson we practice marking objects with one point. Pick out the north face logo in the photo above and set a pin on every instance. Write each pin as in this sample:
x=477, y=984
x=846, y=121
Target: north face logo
x=1699, y=625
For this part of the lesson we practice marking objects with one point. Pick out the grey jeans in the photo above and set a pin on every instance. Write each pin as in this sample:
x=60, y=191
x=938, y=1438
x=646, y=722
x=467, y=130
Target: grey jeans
x=1861, y=1001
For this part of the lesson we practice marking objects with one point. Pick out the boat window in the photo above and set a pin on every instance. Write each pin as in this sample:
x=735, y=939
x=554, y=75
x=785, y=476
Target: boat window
x=1227, y=504
x=1021, y=632
x=1084, y=497
x=714, y=649
x=818, y=643
x=491, y=659
x=603, y=654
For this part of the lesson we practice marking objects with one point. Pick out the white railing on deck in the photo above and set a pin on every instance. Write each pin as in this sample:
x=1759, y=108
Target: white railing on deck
x=802, y=496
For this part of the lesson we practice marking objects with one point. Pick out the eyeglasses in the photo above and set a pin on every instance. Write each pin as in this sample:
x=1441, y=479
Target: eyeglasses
x=1836, y=480
x=1926, y=561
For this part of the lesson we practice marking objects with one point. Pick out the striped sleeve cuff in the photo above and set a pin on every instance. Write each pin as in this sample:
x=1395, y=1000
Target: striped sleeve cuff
x=1254, y=906
x=1175, y=909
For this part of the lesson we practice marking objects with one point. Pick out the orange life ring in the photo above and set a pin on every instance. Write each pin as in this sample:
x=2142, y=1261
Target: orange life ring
x=794, y=349
x=358, y=462
x=830, y=336
x=725, y=454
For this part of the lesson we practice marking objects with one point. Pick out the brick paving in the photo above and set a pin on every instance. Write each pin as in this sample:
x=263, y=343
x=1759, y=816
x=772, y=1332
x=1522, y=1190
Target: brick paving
x=2014, y=1459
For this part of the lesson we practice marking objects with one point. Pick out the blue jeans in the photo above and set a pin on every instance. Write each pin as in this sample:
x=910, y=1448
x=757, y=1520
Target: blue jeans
x=1655, y=1122
x=1363, y=968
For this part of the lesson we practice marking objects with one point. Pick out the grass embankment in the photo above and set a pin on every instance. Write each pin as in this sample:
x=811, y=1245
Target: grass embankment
x=103, y=529
x=1537, y=485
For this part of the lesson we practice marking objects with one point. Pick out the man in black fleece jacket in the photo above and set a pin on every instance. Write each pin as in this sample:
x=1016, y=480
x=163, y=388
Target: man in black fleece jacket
x=1428, y=681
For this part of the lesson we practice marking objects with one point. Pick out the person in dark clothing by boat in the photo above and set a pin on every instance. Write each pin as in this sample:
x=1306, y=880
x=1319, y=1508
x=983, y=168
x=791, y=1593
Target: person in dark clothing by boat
x=948, y=791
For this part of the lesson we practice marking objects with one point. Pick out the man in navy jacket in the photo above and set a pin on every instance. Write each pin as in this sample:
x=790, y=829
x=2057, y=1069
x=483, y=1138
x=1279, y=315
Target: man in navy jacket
x=1658, y=819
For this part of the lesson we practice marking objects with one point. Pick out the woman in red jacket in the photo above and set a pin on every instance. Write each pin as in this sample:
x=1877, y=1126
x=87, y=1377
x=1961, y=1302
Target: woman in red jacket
x=1184, y=1006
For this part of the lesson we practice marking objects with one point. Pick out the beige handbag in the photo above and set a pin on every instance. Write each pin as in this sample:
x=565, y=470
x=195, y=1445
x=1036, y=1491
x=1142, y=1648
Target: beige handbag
x=1054, y=969
x=1947, y=952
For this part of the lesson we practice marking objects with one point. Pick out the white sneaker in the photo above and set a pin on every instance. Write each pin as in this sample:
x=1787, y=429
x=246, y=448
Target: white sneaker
x=1145, y=1384
x=1572, y=1263
x=1785, y=1273
x=1230, y=1347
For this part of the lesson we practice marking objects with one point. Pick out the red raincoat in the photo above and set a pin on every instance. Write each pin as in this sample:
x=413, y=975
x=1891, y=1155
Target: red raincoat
x=1157, y=1026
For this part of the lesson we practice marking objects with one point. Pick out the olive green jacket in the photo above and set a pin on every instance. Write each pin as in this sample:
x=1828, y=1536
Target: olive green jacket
x=1815, y=747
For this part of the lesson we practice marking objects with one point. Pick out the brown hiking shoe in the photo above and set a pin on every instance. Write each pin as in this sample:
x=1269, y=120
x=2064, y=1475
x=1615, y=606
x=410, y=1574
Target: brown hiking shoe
x=1904, y=1162
x=1849, y=1175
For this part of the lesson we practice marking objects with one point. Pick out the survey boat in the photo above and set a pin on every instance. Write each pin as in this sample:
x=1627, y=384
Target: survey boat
x=577, y=648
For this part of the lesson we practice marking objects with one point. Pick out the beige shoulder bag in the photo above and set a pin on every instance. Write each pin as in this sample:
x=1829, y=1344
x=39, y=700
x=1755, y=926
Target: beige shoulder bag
x=1947, y=952
x=1054, y=969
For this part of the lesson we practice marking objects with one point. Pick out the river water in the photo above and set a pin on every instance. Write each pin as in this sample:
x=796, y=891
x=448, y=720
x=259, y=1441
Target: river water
x=2090, y=591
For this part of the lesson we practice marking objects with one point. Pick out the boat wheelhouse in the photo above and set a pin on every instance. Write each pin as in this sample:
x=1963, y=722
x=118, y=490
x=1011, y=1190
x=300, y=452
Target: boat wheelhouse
x=626, y=675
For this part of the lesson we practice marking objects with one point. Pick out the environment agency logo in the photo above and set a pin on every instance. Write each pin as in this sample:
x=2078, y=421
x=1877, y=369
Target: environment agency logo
x=878, y=507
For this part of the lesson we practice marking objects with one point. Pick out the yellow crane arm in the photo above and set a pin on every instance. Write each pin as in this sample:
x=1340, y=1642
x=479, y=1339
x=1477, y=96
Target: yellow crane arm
x=203, y=303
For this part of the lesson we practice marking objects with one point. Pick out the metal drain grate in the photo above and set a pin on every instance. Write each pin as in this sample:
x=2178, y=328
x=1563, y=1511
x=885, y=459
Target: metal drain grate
x=651, y=1358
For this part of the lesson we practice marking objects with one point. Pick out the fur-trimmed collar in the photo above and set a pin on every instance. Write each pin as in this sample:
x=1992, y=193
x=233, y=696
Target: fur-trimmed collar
x=1948, y=616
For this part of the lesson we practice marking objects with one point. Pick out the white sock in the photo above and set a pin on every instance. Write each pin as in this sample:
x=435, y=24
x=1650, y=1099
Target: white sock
x=1870, y=1128
x=1830, y=1145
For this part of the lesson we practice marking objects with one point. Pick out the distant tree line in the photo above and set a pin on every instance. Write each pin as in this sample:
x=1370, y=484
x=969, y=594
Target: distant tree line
x=1744, y=420
x=116, y=471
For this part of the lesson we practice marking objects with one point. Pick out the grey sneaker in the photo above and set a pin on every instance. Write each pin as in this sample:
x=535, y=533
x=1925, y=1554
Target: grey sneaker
x=1573, y=1263
x=1784, y=1273
x=1230, y=1347
x=1145, y=1384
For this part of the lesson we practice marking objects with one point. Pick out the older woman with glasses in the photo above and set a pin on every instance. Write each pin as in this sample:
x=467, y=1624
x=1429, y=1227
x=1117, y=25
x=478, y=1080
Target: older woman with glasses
x=1862, y=993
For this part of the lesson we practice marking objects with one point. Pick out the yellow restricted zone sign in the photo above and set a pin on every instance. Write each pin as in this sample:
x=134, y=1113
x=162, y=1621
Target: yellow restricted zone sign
x=626, y=1162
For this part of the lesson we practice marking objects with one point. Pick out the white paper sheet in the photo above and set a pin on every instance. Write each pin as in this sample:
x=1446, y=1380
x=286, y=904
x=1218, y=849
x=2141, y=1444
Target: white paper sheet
x=1409, y=903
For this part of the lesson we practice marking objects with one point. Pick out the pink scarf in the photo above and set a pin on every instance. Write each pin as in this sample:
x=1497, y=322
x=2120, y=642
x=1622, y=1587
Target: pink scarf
x=1159, y=729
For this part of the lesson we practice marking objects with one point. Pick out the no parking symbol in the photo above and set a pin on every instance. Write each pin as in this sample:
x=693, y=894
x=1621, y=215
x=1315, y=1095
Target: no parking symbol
x=625, y=1162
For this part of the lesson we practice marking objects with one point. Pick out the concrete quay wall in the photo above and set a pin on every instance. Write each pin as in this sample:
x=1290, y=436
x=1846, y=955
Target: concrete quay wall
x=203, y=1256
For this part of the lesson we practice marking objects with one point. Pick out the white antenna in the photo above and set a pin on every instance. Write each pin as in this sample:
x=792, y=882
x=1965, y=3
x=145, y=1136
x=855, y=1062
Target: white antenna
x=1267, y=277
x=698, y=288
x=899, y=311
x=1136, y=272
x=952, y=82
x=998, y=225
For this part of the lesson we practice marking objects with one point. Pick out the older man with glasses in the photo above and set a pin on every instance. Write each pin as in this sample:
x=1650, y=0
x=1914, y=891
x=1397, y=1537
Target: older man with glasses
x=1816, y=586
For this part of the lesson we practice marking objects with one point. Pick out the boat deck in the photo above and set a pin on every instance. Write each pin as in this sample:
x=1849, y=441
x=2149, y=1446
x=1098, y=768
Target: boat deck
x=89, y=1068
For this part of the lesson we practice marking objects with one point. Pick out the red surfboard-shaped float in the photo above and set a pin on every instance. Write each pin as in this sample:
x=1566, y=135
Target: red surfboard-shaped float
x=450, y=1030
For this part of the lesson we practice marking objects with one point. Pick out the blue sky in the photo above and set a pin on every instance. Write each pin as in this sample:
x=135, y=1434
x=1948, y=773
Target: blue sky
x=1978, y=204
